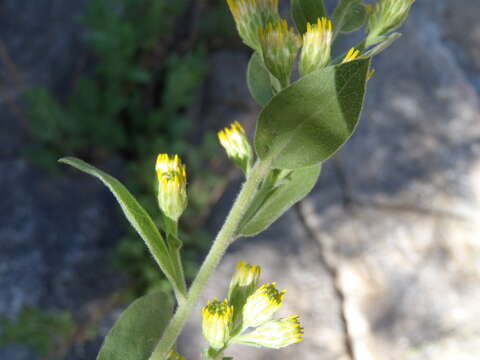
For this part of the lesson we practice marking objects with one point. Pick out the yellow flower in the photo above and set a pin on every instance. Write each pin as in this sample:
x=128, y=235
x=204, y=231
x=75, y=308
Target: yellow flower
x=173, y=355
x=235, y=142
x=316, y=50
x=217, y=323
x=249, y=15
x=279, y=44
x=172, y=180
x=352, y=54
x=243, y=284
x=274, y=334
x=261, y=305
x=385, y=17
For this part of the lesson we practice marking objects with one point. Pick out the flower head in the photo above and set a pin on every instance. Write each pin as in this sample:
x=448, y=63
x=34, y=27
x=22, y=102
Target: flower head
x=249, y=15
x=235, y=142
x=274, y=334
x=279, y=45
x=317, y=42
x=261, y=305
x=172, y=180
x=351, y=55
x=385, y=17
x=217, y=322
x=243, y=284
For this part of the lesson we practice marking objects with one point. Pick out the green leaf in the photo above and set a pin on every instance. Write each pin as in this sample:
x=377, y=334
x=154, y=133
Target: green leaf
x=258, y=80
x=136, y=332
x=307, y=11
x=350, y=15
x=137, y=216
x=298, y=184
x=310, y=120
x=377, y=49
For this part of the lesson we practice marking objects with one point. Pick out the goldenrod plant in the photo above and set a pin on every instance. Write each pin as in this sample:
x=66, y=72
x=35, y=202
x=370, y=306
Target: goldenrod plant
x=305, y=119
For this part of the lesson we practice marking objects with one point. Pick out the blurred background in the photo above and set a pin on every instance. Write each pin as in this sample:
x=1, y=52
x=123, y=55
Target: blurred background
x=381, y=261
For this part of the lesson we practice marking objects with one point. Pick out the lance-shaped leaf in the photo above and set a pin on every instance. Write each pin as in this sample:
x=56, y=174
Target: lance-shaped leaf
x=294, y=188
x=258, y=80
x=310, y=120
x=138, y=218
x=307, y=11
x=350, y=15
x=137, y=331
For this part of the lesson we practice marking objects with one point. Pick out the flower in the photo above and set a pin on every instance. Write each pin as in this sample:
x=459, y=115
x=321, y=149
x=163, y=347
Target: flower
x=261, y=305
x=243, y=284
x=385, y=17
x=317, y=42
x=172, y=180
x=274, y=334
x=174, y=355
x=279, y=44
x=235, y=143
x=351, y=55
x=217, y=323
x=249, y=15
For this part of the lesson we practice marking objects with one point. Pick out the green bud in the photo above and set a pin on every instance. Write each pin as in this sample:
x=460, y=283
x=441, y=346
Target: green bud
x=274, y=334
x=172, y=180
x=217, y=323
x=280, y=45
x=249, y=15
x=261, y=305
x=317, y=43
x=385, y=17
x=236, y=144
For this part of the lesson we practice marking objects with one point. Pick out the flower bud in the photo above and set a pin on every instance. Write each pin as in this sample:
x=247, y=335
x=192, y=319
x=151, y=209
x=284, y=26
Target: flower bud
x=261, y=305
x=280, y=45
x=316, y=50
x=351, y=55
x=235, y=142
x=173, y=355
x=274, y=334
x=172, y=180
x=249, y=15
x=243, y=284
x=385, y=17
x=217, y=323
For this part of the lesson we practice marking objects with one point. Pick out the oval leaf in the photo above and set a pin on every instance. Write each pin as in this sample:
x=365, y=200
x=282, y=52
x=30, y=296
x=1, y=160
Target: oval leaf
x=258, y=80
x=299, y=185
x=136, y=215
x=307, y=11
x=310, y=120
x=137, y=331
x=350, y=15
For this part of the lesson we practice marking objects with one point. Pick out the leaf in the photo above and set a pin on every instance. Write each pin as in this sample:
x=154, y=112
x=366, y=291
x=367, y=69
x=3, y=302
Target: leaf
x=136, y=215
x=307, y=11
x=310, y=120
x=299, y=184
x=258, y=80
x=350, y=15
x=136, y=332
x=377, y=49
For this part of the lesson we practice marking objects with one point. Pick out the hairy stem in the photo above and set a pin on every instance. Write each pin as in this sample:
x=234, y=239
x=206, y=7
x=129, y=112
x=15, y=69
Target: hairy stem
x=224, y=238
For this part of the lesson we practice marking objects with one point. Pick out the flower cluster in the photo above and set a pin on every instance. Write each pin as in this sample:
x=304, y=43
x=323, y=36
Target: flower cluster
x=248, y=307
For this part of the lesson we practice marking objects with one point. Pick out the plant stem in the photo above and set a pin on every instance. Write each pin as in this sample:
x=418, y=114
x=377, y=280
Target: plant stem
x=224, y=238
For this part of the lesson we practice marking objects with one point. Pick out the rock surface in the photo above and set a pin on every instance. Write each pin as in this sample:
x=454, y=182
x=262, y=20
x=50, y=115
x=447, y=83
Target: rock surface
x=382, y=260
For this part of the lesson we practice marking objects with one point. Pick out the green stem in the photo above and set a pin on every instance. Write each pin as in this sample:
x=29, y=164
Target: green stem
x=224, y=238
x=180, y=285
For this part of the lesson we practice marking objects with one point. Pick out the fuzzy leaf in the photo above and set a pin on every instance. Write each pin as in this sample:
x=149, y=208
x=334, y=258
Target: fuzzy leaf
x=307, y=11
x=136, y=215
x=299, y=183
x=136, y=332
x=310, y=120
x=350, y=15
x=258, y=80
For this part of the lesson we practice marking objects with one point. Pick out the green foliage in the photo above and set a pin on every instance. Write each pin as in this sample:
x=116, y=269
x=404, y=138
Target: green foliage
x=136, y=332
x=307, y=122
x=349, y=15
x=36, y=329
x=276, y=197
x=258, y=80
x=307, y=11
